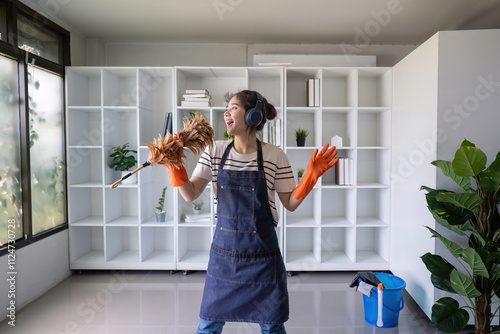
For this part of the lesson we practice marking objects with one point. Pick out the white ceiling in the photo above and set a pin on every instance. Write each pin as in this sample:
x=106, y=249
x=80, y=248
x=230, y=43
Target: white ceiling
x=269, y=21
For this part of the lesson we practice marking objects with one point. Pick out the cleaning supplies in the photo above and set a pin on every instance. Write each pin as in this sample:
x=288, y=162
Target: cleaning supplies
x=380, y=323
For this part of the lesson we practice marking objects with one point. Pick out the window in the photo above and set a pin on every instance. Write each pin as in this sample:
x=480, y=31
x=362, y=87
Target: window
x=10, y=154
x=32, y=159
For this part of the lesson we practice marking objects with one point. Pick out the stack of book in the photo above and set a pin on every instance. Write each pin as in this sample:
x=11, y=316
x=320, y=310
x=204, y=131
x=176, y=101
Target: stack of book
x=196, y=98
x=344, y=170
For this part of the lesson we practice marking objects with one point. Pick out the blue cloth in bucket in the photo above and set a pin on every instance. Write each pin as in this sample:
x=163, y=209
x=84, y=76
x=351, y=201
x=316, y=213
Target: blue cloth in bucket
x=392, y=297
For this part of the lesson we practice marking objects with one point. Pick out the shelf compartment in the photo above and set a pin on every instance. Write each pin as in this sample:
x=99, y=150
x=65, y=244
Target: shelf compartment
x=373, y=167
x=374, y=87
x=372, y=245
x=122, y=244
x=84, y=86
x=186, y=209
x=339, y=88
x=374, y=128
x=337, y=246
x=338, y=207
x=119, y=87
x=268, y=82
x=308, y=213
x=157, y=245
x=217, y=81
x=193, y=247
x=308, y=119
x=183, y=112
x=86, y=206
x=218, y=123
x=154, y=88
x=372, y=207
x=120, y=127
x=84, y=126
x=303, y=246
x=121, y=206
x=296, y=85
x=85, y=166
x=342, y=123
x=328, y=178
x=86, y=246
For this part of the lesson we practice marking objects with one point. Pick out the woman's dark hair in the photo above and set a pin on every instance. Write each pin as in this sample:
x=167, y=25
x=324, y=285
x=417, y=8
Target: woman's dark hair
x=248, y=100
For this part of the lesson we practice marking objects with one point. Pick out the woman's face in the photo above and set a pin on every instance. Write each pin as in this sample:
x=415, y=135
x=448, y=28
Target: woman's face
x=235, y=117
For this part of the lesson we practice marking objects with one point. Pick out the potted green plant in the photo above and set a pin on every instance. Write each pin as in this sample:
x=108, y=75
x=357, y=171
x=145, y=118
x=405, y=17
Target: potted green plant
x=301, y=135
x=123, y=160
x=300, y=173
x=227, y=97
x=472, y=213
x=160, y=213
x=197, y=207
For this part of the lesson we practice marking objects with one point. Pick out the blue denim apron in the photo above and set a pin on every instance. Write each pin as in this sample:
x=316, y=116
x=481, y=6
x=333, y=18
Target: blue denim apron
x=246, y=277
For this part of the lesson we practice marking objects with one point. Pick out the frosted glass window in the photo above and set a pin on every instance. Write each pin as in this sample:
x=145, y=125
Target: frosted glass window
x=47, y=159
x=11, y=228
x=38, y=39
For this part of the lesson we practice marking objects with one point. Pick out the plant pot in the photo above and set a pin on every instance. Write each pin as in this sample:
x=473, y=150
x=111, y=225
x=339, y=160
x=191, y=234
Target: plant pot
x=301, y=141
x=225, y=104
x=196, y=211
x=160, y=216
x=132, y=179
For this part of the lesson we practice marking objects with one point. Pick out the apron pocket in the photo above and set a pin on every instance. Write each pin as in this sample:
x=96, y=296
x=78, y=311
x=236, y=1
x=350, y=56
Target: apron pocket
x=238, y=202
x=243, y=270
x=240, y=241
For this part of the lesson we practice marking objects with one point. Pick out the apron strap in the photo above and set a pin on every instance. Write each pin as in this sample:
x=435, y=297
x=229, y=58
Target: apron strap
x=260, y=160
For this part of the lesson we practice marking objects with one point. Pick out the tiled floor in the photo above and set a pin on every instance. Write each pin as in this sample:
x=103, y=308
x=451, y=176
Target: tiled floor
x=165, y=303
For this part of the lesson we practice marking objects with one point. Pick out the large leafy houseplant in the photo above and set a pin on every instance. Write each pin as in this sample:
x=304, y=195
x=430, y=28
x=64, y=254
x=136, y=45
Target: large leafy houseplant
x=473, y=214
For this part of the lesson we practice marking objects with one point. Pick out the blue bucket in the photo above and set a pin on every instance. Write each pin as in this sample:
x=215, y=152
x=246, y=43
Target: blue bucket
x=392, y=297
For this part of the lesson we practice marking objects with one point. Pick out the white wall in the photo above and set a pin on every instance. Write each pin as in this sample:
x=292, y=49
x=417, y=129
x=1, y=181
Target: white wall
x=39, y=267
x=413, y=148
x=451, y=86
x=199, y=54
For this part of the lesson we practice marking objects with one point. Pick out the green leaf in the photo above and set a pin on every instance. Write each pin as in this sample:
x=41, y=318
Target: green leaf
x=453, y=247
x=447, y=169
x=442, y=284
x=463, y=285
x=469, y=161
x=468, y=201
x=437, y=265
x=493, y=171
x=475, y=262
x=445, y=213
x=447, y=316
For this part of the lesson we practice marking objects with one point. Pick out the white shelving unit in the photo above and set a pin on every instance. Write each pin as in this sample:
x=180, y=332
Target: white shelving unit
x=336, y=228
x=341, y=227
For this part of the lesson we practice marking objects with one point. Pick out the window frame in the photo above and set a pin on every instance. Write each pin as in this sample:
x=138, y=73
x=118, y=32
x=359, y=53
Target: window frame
x=10, y=49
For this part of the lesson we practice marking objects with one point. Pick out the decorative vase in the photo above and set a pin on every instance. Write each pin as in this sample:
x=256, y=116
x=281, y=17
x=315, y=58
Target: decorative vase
x=225, y=104
x=160, y=216
x=301, y=141
x=196, y=211
x=132, y=179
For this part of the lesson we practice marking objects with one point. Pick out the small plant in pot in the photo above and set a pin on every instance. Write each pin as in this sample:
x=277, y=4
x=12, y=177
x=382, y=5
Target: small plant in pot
x=197, y=207
x=300, y=136
x=472, y=213
x=300, y=173
x=160, y=213
x=123, y=161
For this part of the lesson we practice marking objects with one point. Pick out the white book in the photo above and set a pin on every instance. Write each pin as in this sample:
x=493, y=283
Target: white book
x=310, y=92
x=197, y=91
x=195, y=104
x=316, y=93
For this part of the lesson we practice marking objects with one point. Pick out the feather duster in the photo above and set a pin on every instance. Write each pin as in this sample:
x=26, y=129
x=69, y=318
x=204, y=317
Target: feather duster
x=169, y=150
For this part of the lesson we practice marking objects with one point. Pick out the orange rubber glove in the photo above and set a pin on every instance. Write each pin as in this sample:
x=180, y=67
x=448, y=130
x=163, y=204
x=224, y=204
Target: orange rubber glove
x=178, y=177
x=317, y=166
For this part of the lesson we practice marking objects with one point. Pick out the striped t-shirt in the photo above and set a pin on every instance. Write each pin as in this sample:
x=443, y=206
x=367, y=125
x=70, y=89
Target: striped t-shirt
x=278, y=171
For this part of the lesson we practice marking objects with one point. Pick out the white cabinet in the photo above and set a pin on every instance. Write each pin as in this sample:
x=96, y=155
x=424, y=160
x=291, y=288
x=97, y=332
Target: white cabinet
x=341, y=227
x=336, y=228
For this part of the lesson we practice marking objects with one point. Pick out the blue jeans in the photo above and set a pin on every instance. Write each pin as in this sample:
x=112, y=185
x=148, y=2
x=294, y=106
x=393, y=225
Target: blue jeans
x=214, y=327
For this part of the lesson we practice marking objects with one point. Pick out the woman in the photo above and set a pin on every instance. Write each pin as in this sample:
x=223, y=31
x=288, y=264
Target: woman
x=246, y=278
